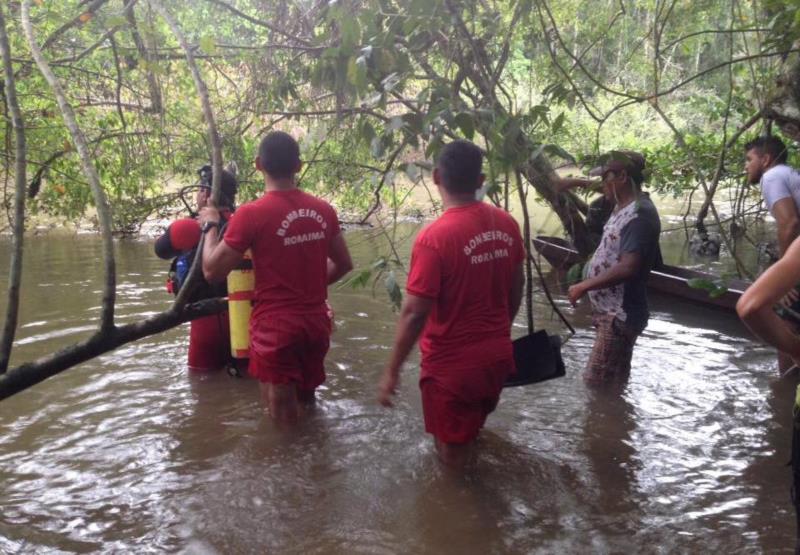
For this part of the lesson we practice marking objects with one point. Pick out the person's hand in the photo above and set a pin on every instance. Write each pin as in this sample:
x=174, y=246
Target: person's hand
x=575, y=292
x=209, y=213
x=387, y=387
x=790, y=298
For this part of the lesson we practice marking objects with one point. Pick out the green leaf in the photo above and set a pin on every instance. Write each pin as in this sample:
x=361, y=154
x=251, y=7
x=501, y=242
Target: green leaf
x=557, y=123
x=466, y=123
x=395, y=294
x=208, y=44
x=357, y=73
x=433, y=148
x=556, y=150
x=385, y=60
x=377, y=147
x=700, y=283
x=350, y=32
x=116, y=21
x=718, y=291
x=575, y=274
x=359, y=280
x=367, y=132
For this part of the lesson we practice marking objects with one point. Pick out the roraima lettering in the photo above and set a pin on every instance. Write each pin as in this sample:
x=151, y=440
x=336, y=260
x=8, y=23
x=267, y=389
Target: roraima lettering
x=488, y=256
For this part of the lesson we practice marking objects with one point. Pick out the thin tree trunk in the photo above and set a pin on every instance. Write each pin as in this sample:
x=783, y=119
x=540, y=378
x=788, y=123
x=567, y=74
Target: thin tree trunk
x=213, y=138
x=20, y=178
x=101, y=202
x=526, y=236
x=156, y=105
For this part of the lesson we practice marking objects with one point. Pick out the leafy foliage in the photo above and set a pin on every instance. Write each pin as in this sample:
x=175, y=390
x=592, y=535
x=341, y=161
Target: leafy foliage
x=375, y=87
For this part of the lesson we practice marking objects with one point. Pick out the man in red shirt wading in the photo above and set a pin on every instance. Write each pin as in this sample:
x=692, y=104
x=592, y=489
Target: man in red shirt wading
x=464, y=289
x=297, y=250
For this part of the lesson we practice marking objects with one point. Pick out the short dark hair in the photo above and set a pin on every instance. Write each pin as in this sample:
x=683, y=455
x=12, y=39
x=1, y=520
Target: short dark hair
x=279, y=154
x=460, y=166
x=769, y=145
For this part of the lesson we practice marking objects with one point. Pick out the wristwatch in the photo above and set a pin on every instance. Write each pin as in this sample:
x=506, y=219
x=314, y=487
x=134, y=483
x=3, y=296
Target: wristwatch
x=209, y=225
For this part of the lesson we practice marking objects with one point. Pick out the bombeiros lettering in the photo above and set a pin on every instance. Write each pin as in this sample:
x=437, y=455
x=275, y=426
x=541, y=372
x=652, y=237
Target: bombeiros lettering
x=297, y=214
x=485, y=237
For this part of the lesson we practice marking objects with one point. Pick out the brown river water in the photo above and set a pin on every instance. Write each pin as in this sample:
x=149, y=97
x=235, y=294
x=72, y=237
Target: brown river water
x=130, y=453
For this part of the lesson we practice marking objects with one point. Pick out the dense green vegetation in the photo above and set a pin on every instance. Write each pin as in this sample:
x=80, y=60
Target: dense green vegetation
x=373, y=88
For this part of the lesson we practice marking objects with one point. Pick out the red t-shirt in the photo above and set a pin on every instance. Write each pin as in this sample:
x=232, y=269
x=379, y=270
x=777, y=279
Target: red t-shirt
x=465, y=261
x=289, y=234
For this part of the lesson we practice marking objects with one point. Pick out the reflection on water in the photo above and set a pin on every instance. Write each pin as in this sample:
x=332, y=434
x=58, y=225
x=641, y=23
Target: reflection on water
x=129, y=453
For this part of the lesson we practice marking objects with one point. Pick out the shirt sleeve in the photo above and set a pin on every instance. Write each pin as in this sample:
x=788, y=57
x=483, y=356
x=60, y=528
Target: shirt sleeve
x=425, y=275
x=775, y=186
x=638, y=236
x=240, y=230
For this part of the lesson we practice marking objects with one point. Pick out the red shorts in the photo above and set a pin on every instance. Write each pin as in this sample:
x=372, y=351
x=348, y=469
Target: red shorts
x=210, y=342
x=290, y=348
x=455, y=405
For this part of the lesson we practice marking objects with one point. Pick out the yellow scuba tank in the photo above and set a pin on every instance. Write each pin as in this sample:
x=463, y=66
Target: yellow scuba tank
x=241, y=285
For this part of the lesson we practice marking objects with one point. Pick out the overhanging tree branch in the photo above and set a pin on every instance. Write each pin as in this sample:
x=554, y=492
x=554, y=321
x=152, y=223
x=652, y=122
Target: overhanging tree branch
x=31, y=373
x=214, y=141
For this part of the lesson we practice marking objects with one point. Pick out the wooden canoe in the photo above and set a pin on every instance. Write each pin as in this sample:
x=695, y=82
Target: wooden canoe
x=669, y=280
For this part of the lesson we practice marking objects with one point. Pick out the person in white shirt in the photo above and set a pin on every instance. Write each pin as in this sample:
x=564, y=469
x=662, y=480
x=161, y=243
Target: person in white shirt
x=765, y=163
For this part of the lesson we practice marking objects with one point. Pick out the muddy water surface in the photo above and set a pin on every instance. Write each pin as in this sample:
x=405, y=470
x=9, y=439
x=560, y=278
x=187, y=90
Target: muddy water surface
x=130, y=453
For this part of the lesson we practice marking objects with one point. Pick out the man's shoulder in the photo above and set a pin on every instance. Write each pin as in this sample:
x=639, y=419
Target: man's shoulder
x=779, y=173
x=646, y=208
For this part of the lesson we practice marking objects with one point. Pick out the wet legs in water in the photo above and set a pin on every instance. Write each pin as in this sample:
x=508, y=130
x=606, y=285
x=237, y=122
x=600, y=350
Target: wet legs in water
x=454, y=455
x=285, y=401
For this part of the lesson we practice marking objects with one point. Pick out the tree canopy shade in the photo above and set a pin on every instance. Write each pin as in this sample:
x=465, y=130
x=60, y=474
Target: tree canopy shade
x=106, y=101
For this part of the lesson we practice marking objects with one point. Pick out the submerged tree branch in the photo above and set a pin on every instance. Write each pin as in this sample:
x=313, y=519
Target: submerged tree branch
x=31, y=373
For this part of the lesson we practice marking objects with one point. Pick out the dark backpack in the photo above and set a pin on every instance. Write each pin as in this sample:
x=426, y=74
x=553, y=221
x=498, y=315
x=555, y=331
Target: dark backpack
x=179, y=271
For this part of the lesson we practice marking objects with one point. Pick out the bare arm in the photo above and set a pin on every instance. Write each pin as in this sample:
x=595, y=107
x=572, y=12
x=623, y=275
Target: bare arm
x=413, y=315
x=515, y=294
x=218, y=258
x=755, y=307
x=339, y=261
x=628, y=266
x=785, y=213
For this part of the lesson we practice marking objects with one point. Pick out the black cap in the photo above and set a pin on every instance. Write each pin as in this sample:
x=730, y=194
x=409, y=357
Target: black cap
x=229, y=183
